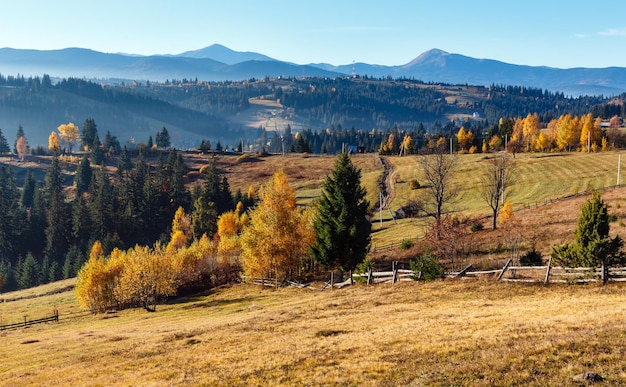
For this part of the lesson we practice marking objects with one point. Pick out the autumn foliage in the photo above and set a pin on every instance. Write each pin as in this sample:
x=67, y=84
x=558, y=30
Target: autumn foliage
x=143, y=276
x=277, y=238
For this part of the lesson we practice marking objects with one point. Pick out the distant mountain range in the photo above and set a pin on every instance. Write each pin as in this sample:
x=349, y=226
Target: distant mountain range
x=219, y=63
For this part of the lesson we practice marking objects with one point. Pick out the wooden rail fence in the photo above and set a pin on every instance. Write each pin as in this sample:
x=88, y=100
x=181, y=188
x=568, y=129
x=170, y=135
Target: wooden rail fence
x=27, y=323
x=509, y=273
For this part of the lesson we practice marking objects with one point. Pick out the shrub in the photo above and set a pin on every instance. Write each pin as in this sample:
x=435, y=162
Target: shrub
x=406, y=244
x=531, y=258
x=477, y=226
x=612, y=218
x=362, y=268
x=414, y=184
x=243, y=158
x=427, y=267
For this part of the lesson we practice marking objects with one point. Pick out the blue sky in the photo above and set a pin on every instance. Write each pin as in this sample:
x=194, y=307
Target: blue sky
x=554, y=33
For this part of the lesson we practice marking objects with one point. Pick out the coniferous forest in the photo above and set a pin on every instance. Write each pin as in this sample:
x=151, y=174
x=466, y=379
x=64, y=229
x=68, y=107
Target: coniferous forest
x=47, y=231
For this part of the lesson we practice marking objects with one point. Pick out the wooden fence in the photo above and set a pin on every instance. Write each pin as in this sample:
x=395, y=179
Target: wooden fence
x=27, y=323
x=509, y=273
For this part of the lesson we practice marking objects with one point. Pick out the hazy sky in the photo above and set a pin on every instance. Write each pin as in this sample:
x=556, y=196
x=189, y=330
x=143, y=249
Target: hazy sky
x=535, y=32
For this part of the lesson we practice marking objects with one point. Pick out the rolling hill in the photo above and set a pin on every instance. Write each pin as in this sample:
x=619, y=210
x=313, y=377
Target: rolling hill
x=219, y=63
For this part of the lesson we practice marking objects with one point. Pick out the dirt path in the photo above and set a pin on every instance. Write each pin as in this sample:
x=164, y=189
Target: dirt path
x=387, y=185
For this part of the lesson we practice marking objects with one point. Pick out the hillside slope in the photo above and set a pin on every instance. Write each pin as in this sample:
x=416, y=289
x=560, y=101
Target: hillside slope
x=441, y=333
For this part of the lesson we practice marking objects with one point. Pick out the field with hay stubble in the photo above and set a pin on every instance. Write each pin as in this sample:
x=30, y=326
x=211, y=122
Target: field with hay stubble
x=441, y=333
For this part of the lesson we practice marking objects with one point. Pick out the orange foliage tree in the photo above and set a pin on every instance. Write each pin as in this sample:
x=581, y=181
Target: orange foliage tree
x=277, y=238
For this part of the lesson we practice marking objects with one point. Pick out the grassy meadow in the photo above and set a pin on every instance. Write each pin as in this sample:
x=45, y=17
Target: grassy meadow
x=478, y=333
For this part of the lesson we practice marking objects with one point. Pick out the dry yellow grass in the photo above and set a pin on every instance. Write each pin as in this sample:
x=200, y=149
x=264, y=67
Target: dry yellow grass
x=442, y=333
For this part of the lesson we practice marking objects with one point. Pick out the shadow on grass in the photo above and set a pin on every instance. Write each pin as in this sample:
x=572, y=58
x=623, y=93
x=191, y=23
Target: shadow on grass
x=220, y=303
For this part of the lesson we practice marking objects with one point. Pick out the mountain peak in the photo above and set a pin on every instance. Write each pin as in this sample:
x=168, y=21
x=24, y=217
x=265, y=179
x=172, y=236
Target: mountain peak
x=224, y=54
x=434, y=56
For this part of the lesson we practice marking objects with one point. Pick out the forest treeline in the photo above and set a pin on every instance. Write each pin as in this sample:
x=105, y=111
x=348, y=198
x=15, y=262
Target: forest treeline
x=200, y=109
x=47, y=231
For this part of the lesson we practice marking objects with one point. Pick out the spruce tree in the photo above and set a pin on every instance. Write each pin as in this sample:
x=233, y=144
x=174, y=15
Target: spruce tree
x=342, y=231
x=4, y=144
x=29, y=273
x=57, y=213
x=90, y=132
x=592, y=245
x=28, y=189
x=82, y=179
x=97, y=152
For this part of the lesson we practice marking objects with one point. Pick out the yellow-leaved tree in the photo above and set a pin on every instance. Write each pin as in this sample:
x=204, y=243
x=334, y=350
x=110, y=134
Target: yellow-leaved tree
x=95, y=281
x=465, y=139
x=532, y=125
x=277, y=238
x=590, y=133
x=506, y=213
x=148, y=276
x=229, y=226
x=542, y=143
x=181, y=231
x=69, y=134
x=54, y=145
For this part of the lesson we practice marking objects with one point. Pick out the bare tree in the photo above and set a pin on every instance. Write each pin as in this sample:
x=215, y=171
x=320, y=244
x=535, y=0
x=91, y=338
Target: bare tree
x=438, y=171
x=497, y=179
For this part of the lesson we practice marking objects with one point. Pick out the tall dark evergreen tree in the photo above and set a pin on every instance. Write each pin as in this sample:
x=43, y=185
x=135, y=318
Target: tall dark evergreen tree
x=225, y=200
x=163, y=139
x=28, y=190
x=90, y=131
x=34, y=235
x=342, y=231
x=4, y=144
x=57, y=214
x=592, y=245
x=102, y=206
x=29, y=272
x=82, y=225
x=97, y=150
x=124, y=163
x=9, y=208
x=82, y=179
x=178, y=193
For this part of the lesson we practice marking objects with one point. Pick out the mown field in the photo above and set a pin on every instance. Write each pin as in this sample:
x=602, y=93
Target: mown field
x=539, y=179
x=478, y=333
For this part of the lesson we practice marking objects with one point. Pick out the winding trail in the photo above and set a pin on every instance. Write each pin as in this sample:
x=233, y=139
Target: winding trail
x=387, y=184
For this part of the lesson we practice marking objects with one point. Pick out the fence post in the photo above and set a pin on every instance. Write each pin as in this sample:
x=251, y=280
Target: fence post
x=605, y=273
x=506, y=266
x=369, y=275
x=394, y=269
x=351, y=280
x=332, y=279
x=547, y=279
x=24, y=321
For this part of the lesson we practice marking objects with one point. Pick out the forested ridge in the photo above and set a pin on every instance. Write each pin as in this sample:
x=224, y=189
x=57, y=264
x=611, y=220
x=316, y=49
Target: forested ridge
x=193, y=109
